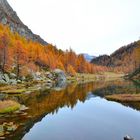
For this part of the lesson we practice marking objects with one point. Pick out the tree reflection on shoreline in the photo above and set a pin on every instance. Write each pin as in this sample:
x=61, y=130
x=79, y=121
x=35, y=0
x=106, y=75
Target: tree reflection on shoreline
x=46, y=102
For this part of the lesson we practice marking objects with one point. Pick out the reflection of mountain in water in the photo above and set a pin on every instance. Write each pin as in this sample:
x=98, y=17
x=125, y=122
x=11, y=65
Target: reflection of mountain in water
x=42, y=103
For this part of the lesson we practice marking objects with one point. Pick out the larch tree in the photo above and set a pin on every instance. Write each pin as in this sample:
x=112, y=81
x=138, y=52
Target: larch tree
x=4, y=41
x=19, y=57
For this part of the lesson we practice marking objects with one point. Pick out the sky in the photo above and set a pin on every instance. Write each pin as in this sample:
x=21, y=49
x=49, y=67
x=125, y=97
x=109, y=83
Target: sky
x=95, y=27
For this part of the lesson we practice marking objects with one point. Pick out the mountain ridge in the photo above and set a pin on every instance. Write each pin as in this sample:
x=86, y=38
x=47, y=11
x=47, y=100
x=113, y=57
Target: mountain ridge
x=9, y=17
x=125, y=57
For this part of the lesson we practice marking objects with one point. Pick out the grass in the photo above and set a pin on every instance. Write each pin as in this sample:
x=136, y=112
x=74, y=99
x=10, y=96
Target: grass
x=14, y=91
x=92, y=77
x=124, y=97
x=8, y=106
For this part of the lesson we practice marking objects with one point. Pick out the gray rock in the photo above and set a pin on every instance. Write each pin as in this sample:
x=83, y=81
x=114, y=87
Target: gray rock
x=1, y=78
x=23, y=108
x=7, y=79
x=4, y=21
x=49, y=75
x=60, y=75
x=127, y=137
x=13, y=81
x=19, y=81
x=61, y=78
x=9, y=17
x=4, y=78
x=12, y=75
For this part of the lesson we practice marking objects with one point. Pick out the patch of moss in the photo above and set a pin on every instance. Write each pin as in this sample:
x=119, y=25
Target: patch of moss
x=8, y=106
x=14, y=91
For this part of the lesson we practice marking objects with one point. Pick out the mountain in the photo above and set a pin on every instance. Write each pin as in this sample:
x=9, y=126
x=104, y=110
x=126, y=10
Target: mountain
x=88, y=57
x=9, y=17
x=126, y=58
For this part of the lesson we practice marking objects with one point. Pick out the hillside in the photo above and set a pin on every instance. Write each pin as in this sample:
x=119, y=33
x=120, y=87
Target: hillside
x=126, y=58
x=27, y=57
x=9, y=17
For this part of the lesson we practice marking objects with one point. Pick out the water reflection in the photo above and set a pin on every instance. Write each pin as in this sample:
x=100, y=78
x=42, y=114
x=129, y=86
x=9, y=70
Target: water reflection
x=45, y=102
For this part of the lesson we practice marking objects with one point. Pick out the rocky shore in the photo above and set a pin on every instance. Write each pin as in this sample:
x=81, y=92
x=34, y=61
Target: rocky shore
x=49, y=77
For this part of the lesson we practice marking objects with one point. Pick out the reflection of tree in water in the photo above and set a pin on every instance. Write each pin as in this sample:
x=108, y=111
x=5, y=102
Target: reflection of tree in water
x=117, y=87
x=44, y=102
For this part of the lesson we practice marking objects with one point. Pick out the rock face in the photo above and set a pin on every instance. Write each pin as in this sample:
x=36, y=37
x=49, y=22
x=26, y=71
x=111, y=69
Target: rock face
x=10, y=18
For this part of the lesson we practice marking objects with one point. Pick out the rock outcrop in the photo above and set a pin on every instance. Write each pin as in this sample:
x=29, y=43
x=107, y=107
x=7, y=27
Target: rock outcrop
x=9, y=17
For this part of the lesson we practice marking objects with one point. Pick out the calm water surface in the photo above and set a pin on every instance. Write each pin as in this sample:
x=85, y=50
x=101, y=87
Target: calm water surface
x=79, y=112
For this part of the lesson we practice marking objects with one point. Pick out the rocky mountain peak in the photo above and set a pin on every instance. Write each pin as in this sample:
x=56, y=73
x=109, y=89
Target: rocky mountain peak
x=9, y=17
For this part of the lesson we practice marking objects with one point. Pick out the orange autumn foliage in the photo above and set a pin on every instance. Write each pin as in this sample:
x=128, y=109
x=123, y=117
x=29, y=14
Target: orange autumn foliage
x=21, y=55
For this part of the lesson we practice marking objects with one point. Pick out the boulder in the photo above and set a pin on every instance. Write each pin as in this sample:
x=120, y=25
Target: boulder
x=128, y=138
x=6, y=77
x=19, y=81
x=12, y=76
x=60, y=75
x=13, y=81
x=1, y=78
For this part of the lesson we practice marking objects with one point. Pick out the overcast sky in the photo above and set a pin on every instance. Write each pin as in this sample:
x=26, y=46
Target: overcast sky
x=87, y=26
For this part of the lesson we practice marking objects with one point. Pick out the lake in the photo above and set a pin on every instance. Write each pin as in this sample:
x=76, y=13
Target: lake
x=77, y=112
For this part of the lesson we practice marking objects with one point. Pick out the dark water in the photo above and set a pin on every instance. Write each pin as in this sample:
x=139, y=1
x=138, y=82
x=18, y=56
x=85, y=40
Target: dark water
x=78, y=112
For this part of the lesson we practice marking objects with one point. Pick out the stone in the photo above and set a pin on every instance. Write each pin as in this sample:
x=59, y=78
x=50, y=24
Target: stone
x=127, y=137
x=4, y=21
x=12, y=75
x=23, y=108
x=6, y=77
x=2, y=78
x=60, y=75
x=2, y=82
x=13, y=81
x=19, y=81
x=9, y=17
x=49, y=75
